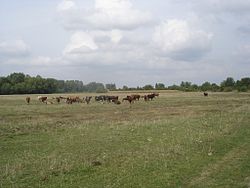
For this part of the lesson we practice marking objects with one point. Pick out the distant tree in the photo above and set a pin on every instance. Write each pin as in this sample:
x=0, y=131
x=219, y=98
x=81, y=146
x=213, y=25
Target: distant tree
x=186, y=86
x=125, y=88
x=194, y=87
x=206, y=86
x=228, y=84
x=148, y=87
x=215, y=87
x=111, y=87
x=242, y=89
x=15, y=78
x=243, y=85
x=94, y=87
x=6, y=88
x=245, y=82
x=159, y=86
x=174, y=87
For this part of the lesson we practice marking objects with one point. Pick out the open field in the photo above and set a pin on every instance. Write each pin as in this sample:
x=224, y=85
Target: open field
x=177, y=140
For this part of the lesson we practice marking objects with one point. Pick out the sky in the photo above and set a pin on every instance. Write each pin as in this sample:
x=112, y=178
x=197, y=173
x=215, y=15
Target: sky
x=126, y=42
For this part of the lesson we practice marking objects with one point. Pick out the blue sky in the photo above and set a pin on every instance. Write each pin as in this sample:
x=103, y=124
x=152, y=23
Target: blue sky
x=127, y=42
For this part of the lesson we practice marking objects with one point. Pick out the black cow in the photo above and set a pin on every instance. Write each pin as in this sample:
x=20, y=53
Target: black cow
x=205, y=94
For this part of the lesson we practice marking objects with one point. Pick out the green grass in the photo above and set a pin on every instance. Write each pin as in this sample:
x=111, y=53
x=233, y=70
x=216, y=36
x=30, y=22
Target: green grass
x=178, y=140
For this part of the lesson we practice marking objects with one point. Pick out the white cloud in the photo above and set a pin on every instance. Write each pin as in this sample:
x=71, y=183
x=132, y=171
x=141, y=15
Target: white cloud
x=66, y=5
x=116, y=36
x=81, y=42
x=13, y=49
x=229, y=6
x=106, y=15
x=179, y=40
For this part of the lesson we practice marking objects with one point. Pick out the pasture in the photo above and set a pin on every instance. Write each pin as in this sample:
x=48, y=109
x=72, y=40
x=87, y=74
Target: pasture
x=176, y=140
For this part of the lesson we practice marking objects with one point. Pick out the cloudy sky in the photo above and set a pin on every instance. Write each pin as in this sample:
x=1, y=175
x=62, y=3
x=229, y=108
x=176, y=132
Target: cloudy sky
x=127, y=42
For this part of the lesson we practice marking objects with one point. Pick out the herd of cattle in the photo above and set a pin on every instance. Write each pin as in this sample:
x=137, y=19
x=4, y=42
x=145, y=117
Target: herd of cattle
x=101, y=98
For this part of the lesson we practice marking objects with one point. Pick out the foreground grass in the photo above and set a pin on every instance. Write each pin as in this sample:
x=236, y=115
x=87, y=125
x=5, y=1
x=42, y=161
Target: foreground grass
x=177, y=140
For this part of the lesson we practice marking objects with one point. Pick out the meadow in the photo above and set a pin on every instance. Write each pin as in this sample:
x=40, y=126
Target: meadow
x=181, y=139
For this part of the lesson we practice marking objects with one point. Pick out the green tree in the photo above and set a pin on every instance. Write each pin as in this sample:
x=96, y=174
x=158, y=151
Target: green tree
x=159, y=86
x=15, y=78
x=148, y=87
x=186, y=86
x=206, y=86
x=174, y=87
x=228, y=84
x=215, y=87
x=125, y=88
x=94, y=87
x=111, y=87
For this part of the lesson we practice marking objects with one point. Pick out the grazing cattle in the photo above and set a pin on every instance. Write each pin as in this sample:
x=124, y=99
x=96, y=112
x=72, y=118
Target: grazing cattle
x=72, y=99
x=69, y=100
x=205, y=94
x=28, y=100
x=42, y=99
x=151, y=96
x=156, y=94
x=136, y=97
x=58, y=99
x=100, y=98
x=88, y=99
x=112, y=98
x=145, y=97
x=130, y=99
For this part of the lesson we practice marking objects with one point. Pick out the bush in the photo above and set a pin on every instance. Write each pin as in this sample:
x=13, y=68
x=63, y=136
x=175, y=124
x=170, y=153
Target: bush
x=242, y=89
x=227, y=89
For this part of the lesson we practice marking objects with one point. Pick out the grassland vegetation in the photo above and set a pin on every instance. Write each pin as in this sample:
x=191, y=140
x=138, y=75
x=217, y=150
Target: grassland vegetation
x=177, y=140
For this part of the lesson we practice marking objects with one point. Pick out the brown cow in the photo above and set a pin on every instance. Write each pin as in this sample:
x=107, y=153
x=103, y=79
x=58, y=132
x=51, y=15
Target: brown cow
x=42, y=99
x=28, y=100
x=72, y=99
x=112, y=98
x=136, y=97
x=130, y=99
x=156, y=94
x=150, y=96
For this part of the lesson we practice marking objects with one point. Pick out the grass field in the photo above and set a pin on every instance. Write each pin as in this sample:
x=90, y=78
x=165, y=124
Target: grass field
x=177, y=140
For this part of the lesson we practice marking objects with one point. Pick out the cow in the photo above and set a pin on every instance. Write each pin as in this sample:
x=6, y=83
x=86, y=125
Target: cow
x=72, y=99
x=205, y=94
x=100, y=98
x=42, y=99
x=112, y=98
x=136, y=97
x=130, y=99
x=149, y=96
x=28, y=100
x=145, y=97
x=58, y=99
x=87, y=99
x=156, y=94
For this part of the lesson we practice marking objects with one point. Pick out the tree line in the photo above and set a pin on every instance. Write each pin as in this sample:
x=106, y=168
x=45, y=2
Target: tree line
x=227, y=85
x=19, y=83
